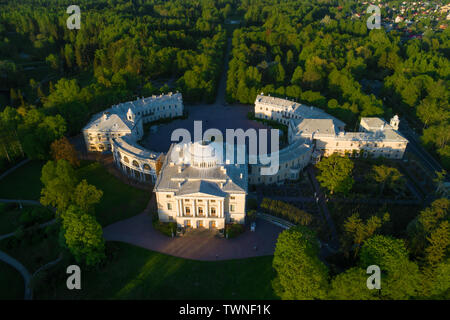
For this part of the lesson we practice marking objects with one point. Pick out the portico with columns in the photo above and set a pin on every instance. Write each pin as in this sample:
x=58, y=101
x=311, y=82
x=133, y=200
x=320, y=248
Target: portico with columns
x=203, y=192
x=200, y=211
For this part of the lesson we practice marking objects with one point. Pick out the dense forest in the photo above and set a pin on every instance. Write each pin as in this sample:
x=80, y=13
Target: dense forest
x=53, y=78
x=315, y=53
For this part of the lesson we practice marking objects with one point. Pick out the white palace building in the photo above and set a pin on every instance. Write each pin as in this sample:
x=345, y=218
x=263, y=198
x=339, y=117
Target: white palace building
x=118, y=129
x=196, y=186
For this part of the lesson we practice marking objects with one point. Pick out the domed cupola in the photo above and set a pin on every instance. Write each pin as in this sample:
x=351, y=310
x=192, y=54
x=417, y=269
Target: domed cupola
x=130, y=115
x=204, y=154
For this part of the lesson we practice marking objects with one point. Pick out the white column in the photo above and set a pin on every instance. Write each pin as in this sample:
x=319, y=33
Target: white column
x=222, y=209
x=195, y=208
x=178, y=207
x=207, y=208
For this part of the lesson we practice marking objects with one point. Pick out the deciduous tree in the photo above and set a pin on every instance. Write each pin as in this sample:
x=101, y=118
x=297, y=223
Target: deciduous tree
x=389, y=177
x=400, y=277
x=300, y=273
x=63, y=149
x=351, y=285
x=86, y=196
x=59, y=180
x=83, y=236
x=335, y=174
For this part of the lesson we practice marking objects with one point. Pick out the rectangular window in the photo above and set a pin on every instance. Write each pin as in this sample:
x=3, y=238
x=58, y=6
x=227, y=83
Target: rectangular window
x=232, y=208
x=187, y=210
x=168, y=196
x=213, y=211
x=169, y=206
x=232, y=198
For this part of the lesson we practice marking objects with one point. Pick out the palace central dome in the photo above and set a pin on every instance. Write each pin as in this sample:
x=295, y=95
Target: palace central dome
x=201, y=154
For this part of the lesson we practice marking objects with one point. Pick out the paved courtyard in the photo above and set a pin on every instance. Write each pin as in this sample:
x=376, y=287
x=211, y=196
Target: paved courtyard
x=217, y=116
x=139, y=231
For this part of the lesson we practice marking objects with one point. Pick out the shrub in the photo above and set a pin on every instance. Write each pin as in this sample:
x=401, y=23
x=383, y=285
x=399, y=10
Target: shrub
x=252, y=204
x=164, y=227
x=26, y=218
x=286, y=211
x=251, y=215
x=34, y=215
x=233, y=230
x=19, y=233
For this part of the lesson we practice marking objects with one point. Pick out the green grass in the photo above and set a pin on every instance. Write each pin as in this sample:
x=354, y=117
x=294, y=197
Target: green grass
x=10, y=216
x=11, y=283
x=23, y=183
x=120, y=201
x=137, y=273
x=34, y=255
x=9, y=220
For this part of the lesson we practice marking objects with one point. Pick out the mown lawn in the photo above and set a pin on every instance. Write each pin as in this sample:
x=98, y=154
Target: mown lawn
x=136, y=273
x=9, y=219
x=120, y=201
x=33, y=253
x=11, y=283
x=12, y=217
x=24, y=183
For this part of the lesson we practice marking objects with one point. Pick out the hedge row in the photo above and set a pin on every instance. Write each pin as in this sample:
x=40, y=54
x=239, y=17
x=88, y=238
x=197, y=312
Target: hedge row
x=286, y=211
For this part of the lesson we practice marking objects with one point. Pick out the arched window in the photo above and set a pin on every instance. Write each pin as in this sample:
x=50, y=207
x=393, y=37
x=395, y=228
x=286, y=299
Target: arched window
x=135, y=163
x=126, y=159
x=146, y=167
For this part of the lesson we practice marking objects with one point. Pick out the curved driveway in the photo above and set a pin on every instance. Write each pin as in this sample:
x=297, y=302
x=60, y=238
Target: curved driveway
x=139, y=231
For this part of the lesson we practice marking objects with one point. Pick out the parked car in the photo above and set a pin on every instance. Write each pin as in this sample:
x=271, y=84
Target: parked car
x=253, y=226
